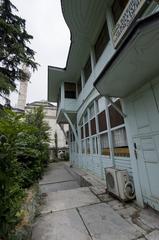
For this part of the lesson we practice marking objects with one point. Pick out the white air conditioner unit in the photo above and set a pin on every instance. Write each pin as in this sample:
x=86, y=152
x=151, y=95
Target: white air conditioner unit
x=118, y=183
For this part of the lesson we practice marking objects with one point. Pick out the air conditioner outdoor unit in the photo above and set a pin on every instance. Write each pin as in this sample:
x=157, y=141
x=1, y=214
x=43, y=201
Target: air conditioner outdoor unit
x=118, y=183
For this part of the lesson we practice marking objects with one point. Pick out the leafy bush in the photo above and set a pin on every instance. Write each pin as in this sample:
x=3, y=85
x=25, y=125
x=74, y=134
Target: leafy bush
x=23, y=155
x=11, y=192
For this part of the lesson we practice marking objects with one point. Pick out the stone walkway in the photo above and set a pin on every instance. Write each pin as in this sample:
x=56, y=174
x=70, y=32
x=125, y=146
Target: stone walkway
x=72, y=212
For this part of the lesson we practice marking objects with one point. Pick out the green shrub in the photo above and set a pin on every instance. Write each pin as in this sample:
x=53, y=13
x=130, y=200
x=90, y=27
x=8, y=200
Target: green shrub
x=11, y=192
x=23, y=155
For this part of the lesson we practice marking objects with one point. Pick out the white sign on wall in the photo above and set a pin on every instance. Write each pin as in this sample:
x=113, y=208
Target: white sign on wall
x=131, y=10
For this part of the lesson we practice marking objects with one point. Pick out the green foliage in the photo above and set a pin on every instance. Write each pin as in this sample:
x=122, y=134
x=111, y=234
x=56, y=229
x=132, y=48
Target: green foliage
x=23, y=155
x=14, y=51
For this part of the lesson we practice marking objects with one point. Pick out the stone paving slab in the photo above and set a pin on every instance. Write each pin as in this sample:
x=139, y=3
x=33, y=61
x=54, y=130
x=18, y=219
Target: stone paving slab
x=88, y=176
x=127, y=212
x=153, y=235
x=104, y=223
x=54, y=187
x=138, y=228
x=116, y=205
x=98, y=190
x=105, y=197
x=55, y=175
x=150, y=218
x=62, y=200
x=63, y=225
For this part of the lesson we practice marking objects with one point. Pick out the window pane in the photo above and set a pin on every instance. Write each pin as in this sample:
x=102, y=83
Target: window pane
x=115, y=118
x=76, y=148
x=87, y=69
x=83, y=146
x=101, y=42
x=85, y=117
x=86, y=130
x=95, y=145
x=87, y=146
x=82, y=135
x=102, y=121
x=92, y=113
x=70, y=90
x=104, y=144
x=93, y=126
x=101, y=104
x=120, y=142
x=97, y=105
x=79, y=86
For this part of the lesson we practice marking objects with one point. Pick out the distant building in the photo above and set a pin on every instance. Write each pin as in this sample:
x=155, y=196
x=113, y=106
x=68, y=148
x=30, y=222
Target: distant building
x=50, y=118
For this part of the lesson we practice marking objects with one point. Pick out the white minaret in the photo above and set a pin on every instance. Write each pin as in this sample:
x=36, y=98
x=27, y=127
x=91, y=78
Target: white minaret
x=23, y=90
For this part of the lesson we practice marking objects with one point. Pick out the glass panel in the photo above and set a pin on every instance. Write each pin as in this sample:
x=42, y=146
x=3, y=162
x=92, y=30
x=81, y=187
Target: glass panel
x=87, y=69
x=101, y=104
x=120, y=142
x=83, y=146
x=95, y=145
x=115, y=118
x=93, y=126
x=79, y=86
x=97, y=106
x=86, y=130
x=82, y=135
x=104, y=144
x=102, y=121
x=101, y=42
x=70, y=90
x=76, y=148
x=87, y=146
x=92, y=113
x=85, y=117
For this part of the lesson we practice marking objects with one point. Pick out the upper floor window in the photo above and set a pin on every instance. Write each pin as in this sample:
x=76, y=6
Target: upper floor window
x=117, y=8
x=79, y=86
x=87, y=69
x=70, y=90
x=101, y=42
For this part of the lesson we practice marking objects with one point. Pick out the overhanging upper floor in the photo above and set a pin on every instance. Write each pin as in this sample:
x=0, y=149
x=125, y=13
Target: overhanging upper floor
x=84, y=19
x=135, y=62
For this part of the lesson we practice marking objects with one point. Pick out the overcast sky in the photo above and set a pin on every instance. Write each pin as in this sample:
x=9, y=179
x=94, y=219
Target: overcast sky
x=51, y=41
